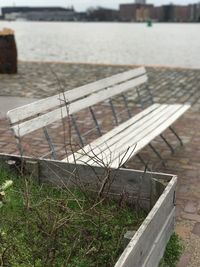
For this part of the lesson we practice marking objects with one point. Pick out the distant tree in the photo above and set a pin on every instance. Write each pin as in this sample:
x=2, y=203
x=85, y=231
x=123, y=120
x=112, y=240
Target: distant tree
x=101, y=14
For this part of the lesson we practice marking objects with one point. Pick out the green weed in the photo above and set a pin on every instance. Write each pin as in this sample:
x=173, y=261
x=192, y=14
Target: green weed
x=41, y=225
x=173, y=252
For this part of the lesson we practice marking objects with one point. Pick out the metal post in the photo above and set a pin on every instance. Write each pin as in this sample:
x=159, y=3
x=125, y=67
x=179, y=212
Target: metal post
x=113, y=111
x=126, y=105
x=95, y=121
x=77, y=130
x=157, y=154
x=50, y=143
x=167, y=143
x=150, y=94
x=140, y=99
x=177, y=136
x=142, y=161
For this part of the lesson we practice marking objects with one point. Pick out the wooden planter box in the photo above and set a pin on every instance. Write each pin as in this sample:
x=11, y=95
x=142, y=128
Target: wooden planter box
x=154, y=192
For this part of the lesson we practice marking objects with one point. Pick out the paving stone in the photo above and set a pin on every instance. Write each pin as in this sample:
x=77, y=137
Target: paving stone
x=192, y=217
x=183, y=231
x=38, y=80
x=183, y=189
x=184, y=261
x=191, y=207
x=196, y=229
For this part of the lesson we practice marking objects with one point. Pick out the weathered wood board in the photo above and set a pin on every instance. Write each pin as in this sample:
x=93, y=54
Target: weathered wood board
x=155, y=191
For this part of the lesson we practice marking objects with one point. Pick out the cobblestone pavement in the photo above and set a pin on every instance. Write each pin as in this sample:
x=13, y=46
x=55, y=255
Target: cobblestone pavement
x=168, y=85
x=38, y=80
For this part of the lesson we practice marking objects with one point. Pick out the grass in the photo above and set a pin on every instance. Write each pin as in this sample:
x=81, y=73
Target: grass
x=41, y=225
x=173, y=252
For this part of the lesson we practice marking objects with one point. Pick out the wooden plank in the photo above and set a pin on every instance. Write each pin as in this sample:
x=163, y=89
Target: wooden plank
x=42, y=105
x=140, y=134
x=159, y=245
x=113, y=132
x=151, y=136
x=146, y=236
x=141, y=130
x=65, y=174
x=61, y=173
x=147, y=245
x=129, y=136
x=140, y=142
x=60, y=113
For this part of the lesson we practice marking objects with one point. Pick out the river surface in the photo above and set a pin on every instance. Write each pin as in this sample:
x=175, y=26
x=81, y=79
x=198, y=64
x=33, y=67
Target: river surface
x=112, y=43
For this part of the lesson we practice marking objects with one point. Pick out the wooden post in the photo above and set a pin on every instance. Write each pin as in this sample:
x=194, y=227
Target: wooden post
x=8, y=52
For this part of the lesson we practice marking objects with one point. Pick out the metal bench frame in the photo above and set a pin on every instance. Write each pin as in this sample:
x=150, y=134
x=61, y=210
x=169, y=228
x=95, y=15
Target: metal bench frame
x=25, y=120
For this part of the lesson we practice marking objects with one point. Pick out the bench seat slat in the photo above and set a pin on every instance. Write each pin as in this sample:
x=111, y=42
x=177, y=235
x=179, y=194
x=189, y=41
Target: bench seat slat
x=151, y=136
x=120, y=133
x=121, y=148
x=60, y=113
x=113, y=154
x=42, y=105
x=136, y=130
x=114, y=131
x=134, y=133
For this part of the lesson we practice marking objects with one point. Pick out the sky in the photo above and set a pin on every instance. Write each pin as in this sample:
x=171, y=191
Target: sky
x=81, y=5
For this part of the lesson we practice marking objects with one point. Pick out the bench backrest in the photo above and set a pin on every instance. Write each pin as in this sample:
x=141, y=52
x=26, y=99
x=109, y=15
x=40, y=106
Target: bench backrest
x=41, y=113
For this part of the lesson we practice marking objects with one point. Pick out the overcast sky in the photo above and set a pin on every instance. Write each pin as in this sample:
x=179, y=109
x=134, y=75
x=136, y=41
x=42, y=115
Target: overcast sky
x=81, y=5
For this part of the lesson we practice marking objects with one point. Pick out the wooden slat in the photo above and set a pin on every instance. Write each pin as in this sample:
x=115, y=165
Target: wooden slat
x=140, y=134
x=130, y=138
x=153, y=230
x=139, y=248
x=110, y=134
x=117, y=141
x=42, y=105
x=60, y=113
x=158, y=248
x=134, y=134
x=127, y=135
x=59, y=173
x=151, y=136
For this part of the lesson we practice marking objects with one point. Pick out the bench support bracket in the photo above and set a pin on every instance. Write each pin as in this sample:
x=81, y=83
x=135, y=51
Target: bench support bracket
x=50, y=143
x=142, y=161
x=168, y=144
x=157, y=154
x=177, y=136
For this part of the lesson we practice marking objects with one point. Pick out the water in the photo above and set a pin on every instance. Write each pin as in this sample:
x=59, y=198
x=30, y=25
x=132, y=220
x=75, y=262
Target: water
x=115, y=43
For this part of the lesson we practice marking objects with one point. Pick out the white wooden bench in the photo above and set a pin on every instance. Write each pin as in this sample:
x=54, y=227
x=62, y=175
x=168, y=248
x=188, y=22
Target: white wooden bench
x=115, y=147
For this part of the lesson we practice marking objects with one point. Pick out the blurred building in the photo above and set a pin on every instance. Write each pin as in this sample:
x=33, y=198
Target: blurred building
x=194, y=12
x=39, y=13
x=157, y=14
x=138, y=12
x=175, y=13
x=135, y=12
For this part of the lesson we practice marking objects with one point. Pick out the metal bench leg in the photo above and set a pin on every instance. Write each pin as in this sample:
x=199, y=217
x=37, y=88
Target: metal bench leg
x=157, y=154
x=177, y=136
x=77, y=130
x=126, y=105
x=50, y=143
x=19, y=146
x=167, y=143
x=113, y=111
x=95, y=121
x=124, y=166
x=143, y=161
